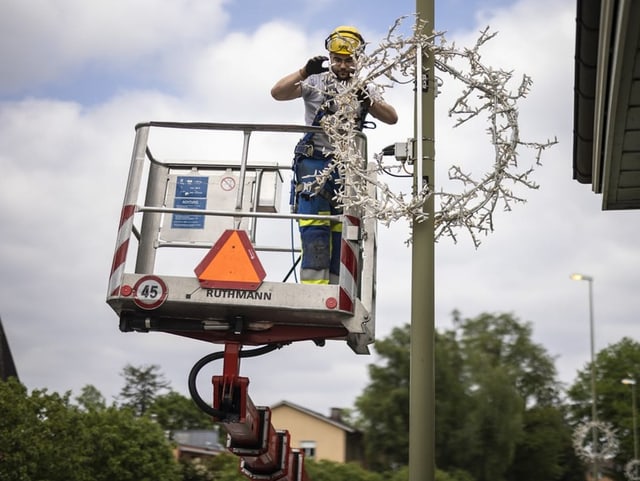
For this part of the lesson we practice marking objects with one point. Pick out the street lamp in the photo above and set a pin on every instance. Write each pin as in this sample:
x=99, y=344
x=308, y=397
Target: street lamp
x=632, y=383
x=594, y=417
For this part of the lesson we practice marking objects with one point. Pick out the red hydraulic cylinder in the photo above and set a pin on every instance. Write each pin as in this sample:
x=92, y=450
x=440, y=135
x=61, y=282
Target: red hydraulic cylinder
x=265, y=452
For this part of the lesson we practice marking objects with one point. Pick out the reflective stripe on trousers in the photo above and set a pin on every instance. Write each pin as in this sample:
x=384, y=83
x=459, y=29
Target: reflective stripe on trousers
x=320, y=252
x=320, y=238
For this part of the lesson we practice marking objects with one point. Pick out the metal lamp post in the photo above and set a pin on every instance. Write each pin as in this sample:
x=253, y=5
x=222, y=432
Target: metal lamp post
x=422, y=410
x=632, y=383
x=594, y=416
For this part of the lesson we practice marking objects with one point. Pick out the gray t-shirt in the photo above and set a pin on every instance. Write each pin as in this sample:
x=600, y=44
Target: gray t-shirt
x=314, y=92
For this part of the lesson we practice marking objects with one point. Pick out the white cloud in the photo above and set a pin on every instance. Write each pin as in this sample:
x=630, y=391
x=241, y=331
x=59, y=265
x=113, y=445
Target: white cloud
x=65, y=164
x=233, y=76
x=43, y=41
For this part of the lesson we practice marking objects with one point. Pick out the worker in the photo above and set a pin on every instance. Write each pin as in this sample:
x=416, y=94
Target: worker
x=321, y=238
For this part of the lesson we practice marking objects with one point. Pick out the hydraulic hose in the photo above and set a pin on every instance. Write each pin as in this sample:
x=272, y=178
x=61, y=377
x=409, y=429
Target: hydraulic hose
x=195, y=370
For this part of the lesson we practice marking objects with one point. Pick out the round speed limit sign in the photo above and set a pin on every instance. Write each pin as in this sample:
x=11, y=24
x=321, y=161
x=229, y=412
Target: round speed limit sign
x=150, y=292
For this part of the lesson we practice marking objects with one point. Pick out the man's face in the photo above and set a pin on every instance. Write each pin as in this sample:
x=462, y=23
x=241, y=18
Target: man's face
x=342, y=65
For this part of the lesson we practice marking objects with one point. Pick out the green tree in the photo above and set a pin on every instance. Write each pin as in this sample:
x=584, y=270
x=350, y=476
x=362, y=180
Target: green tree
x=91, y=399
x=173, y=411
x=490, y=380
x=125, y=447
x=324, y=470
x=613, y=399
x=142, y=385
x=546, y=451
x=45, y=437
x=384, y=404
x=195, y=469
x=225, y=468
x=452, y=402
x=39, y=435
x=402, y=474
x=505, y=374
x=491, y=340
x=222, y=467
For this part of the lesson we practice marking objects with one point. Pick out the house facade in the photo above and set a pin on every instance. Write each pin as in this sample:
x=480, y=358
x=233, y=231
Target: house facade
x=320, y=437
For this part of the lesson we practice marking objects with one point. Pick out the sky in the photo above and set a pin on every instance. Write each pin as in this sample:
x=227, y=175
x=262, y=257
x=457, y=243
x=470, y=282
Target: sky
x=75, y=78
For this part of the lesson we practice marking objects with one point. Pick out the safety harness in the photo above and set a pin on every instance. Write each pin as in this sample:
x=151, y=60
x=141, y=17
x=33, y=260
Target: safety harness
x=306, y=149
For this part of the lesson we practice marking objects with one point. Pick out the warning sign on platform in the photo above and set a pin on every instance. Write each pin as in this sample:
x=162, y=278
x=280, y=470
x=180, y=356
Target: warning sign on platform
x=232, y=263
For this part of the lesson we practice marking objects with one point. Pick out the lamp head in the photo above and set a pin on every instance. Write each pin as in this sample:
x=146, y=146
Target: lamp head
x=581, y=277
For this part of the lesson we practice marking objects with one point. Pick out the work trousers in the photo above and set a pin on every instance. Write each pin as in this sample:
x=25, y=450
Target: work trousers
x=320, y=238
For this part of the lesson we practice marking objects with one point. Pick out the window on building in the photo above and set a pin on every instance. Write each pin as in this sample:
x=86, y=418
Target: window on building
x=308, y=448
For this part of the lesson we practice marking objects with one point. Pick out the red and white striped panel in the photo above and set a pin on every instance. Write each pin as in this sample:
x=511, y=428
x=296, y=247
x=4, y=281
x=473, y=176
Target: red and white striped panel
x=348, y=267
x=122, y=246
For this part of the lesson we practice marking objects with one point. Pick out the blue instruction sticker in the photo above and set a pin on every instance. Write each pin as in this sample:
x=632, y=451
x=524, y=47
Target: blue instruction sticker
x=191, y=193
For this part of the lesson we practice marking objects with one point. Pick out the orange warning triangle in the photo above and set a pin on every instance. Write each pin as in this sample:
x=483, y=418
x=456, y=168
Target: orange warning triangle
x=232, y=263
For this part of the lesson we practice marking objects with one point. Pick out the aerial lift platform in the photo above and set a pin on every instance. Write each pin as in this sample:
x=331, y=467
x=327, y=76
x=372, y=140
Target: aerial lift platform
x=204, y=251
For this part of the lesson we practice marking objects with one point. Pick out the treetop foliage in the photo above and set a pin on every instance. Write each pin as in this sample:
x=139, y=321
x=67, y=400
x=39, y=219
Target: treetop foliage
x=496, y=391
x=501, y=415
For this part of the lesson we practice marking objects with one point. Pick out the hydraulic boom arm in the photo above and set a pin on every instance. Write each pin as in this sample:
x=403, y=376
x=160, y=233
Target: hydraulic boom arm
x=265, y=452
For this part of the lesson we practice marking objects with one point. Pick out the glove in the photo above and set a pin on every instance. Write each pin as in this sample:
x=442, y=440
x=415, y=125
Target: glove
x=364, y=98
x=314, y=65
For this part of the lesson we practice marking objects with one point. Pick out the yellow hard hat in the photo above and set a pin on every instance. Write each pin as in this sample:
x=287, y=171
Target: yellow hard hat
x=345, y=40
